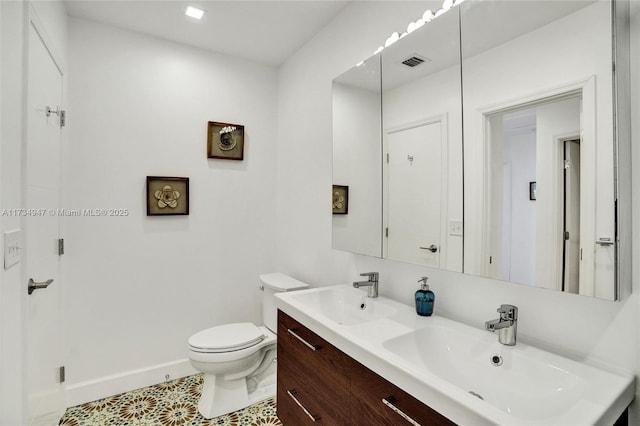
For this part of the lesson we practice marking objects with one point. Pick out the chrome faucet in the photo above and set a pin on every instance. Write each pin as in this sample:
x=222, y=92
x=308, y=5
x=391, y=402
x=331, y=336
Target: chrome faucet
x=372, y=283
x=507, y=324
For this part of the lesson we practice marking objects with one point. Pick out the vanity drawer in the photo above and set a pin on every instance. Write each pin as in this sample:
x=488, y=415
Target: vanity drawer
x=320, y=358
x=369, y=390
x=311, y=362
x=300, y=404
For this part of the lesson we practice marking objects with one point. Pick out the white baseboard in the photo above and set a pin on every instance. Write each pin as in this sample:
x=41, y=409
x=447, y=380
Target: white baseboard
x=91, y=390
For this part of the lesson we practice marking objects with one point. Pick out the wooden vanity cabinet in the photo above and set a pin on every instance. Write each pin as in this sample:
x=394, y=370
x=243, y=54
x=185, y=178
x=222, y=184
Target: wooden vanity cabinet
x=320, y=385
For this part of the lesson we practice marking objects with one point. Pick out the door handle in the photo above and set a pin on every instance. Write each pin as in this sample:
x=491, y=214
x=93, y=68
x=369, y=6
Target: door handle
x=432, y=248
x=603, y=241
x=36, y=286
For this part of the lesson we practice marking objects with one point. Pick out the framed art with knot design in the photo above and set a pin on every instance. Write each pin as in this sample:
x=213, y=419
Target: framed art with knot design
x=225, y=141
x=340, y=199
x=167, y=196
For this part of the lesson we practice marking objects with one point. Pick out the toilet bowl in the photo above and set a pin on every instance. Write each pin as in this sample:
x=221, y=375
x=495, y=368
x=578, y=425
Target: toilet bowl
x=238, y=359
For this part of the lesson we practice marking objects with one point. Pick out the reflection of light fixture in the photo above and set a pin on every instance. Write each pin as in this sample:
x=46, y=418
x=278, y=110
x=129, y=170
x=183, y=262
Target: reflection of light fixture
x=426, y=17
x=392, y=39
x=194, y=12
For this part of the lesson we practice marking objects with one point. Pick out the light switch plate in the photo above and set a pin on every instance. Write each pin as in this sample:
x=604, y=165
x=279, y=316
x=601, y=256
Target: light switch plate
x=12, y=248
x=455, y=227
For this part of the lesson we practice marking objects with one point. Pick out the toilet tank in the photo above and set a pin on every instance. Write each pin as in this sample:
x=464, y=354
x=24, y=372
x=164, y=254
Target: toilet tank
x=271, y=284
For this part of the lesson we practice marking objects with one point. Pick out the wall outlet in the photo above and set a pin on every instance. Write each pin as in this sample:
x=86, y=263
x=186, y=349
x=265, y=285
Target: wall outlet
x=455, y=227
x=12, y=248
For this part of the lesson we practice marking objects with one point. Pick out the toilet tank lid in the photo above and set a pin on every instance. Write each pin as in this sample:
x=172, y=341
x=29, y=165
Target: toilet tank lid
x=281, y=282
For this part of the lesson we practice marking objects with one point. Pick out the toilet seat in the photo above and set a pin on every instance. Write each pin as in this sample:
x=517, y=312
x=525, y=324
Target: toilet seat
x=226, y=338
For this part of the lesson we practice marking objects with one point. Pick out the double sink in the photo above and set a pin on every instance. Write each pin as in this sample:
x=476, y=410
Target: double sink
x=460, y=371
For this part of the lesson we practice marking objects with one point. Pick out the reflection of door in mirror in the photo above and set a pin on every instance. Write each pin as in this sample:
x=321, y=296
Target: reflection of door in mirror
x=422, y=119
x=414, y=178
x=536, y=240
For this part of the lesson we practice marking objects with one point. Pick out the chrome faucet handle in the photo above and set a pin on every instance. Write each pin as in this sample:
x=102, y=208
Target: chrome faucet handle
x=508, y=312
x=373, y=276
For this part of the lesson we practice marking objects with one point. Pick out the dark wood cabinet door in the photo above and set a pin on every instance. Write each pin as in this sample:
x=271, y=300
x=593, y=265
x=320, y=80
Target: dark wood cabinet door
x=313, y=377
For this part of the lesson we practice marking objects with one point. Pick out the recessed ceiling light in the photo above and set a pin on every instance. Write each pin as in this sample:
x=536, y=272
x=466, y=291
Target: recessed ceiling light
x=194, y=12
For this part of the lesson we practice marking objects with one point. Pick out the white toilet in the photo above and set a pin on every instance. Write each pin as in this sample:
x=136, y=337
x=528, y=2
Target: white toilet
x=238, y=360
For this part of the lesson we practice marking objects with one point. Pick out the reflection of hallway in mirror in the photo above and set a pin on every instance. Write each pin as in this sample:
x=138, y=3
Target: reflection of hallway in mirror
x=518, y=210
x=571, y=219
x=533, y=235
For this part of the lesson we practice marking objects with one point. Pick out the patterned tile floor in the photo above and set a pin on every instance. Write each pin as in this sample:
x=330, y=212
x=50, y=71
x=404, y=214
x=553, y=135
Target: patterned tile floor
x=173, y=403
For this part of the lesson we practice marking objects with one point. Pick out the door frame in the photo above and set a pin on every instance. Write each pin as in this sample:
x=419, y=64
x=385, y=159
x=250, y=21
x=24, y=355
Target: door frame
x=477, y=192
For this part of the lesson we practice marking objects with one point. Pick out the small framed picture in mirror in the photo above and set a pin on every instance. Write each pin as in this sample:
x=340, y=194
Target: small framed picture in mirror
x=167, y=196
x=225, y=141
x=340, y=199
x=532, y=191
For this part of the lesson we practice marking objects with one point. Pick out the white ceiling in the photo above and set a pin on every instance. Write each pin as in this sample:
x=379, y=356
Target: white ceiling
x=265, y=31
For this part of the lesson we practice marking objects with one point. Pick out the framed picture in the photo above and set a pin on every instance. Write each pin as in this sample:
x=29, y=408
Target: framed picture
x=225, y=141
x=340, y=199
x=167, y=196
x=532, y=191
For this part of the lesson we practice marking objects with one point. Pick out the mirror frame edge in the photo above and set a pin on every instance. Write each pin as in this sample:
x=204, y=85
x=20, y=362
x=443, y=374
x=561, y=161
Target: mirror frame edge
x=620, y=15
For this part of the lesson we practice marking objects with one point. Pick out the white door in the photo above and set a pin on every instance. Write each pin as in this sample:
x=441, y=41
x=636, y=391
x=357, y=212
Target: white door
x=414, y=194
x=42, y=227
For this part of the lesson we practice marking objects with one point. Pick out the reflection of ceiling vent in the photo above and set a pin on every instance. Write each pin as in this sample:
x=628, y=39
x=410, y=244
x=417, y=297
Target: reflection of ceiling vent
x=414, y=61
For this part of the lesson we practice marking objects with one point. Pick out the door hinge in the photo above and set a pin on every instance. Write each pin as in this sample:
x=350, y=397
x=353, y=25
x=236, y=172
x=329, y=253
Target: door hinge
x=60, y=246
x=62, y=114
x=386, y=232
x=490, y=260
x=387, y=158
x=566, y=235
x=62, y=376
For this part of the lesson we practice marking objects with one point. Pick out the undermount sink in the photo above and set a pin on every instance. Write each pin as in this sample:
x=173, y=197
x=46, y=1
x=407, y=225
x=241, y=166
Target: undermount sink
x=343, y=305
x=458, y=370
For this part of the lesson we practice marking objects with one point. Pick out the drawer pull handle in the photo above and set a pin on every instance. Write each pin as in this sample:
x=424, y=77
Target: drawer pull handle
x=389, y=401
x=291, y=393
x=292, y=331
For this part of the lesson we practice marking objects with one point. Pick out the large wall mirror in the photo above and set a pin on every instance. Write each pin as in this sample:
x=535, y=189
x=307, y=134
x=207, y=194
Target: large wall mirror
x=546, y=146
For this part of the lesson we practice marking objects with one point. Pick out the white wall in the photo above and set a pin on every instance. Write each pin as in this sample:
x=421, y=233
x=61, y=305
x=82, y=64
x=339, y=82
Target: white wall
x=140, y=286
x=596, y=331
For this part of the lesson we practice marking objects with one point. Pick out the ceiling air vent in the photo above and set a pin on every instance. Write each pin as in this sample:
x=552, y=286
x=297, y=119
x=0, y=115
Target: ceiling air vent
x=414, y=61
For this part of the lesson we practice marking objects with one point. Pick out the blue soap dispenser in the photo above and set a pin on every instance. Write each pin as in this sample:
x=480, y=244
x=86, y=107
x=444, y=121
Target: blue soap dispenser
x=424, y=299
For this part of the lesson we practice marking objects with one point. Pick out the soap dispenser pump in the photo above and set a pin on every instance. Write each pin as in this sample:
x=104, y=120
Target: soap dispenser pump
x=424, y=299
